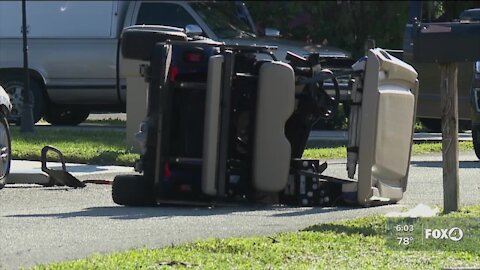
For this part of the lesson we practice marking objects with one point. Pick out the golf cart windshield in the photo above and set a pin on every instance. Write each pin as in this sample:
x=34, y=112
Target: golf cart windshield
x=223, y=19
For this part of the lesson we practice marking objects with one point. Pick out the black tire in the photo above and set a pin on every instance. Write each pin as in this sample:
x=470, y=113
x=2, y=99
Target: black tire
x=476, y=140
x=13, y=85
x=5, y=151
x=61, y=116
x=133, y=190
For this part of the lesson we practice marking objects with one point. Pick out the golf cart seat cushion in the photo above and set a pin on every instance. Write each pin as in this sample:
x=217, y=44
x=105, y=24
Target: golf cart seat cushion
x=212, y=125
x=393, y=134
x=387, y=117
x=275, y=104
x=138, y=41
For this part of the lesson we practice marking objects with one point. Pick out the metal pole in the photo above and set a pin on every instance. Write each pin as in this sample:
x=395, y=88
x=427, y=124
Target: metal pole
x=26, y=123
x=449, y=100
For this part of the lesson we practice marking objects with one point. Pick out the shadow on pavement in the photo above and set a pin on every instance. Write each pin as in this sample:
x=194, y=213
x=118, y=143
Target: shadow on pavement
x=438, y=164
x=164, y=212
x=303, y=211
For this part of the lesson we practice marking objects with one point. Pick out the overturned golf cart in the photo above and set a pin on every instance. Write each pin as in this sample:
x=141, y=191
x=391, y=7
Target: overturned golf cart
x=230, y=124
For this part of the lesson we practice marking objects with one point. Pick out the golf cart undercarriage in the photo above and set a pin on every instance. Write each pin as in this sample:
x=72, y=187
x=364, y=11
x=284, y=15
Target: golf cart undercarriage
x=230, y=124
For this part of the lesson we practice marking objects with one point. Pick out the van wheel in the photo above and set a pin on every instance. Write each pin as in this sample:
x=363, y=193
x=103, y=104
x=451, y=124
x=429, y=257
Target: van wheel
x=133, y=190
x=14, y=85
x=5, y=151
x=60, y=116
x=476, y=140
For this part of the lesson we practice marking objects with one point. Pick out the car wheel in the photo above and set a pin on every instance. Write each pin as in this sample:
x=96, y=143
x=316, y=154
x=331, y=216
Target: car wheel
x=14, y=85
x=66, y=117
x=476, y=140
x=5, y=151
x=133, y=190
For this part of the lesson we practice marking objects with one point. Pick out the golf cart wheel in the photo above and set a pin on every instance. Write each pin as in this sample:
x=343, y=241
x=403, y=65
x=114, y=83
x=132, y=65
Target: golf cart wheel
x=476, y=140
x=5, y=150
x=13, y=85
x=60, y=116
x=132, y=190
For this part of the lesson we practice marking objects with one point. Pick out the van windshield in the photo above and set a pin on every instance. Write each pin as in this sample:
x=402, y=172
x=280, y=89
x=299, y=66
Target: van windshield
x=223, y=19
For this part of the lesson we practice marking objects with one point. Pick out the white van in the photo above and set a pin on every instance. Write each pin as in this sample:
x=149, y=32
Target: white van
x=73, y=49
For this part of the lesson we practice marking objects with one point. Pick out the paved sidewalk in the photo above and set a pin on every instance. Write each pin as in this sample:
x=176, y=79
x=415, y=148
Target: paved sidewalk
x=29, y=172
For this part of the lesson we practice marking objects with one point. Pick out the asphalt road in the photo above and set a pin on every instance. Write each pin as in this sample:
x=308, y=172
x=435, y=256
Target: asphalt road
x=41, y=225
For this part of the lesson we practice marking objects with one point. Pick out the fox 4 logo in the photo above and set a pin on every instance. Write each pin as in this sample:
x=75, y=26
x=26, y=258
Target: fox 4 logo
x=453, y=234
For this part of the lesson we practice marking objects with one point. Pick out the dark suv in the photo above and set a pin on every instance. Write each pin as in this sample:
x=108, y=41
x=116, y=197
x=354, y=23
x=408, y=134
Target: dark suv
x=429, y=106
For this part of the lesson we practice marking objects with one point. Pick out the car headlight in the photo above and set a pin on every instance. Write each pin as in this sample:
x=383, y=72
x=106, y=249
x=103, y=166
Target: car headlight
x=477, y=66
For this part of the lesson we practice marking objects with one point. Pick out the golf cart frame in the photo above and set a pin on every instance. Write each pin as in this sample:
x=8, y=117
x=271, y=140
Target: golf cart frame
x=224, y=126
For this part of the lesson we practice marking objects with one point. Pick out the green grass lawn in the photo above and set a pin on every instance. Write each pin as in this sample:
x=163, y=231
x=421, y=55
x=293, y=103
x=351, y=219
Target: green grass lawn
x=418, y=149
x=109, y=147
x=353, y=244
x=81, y=146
